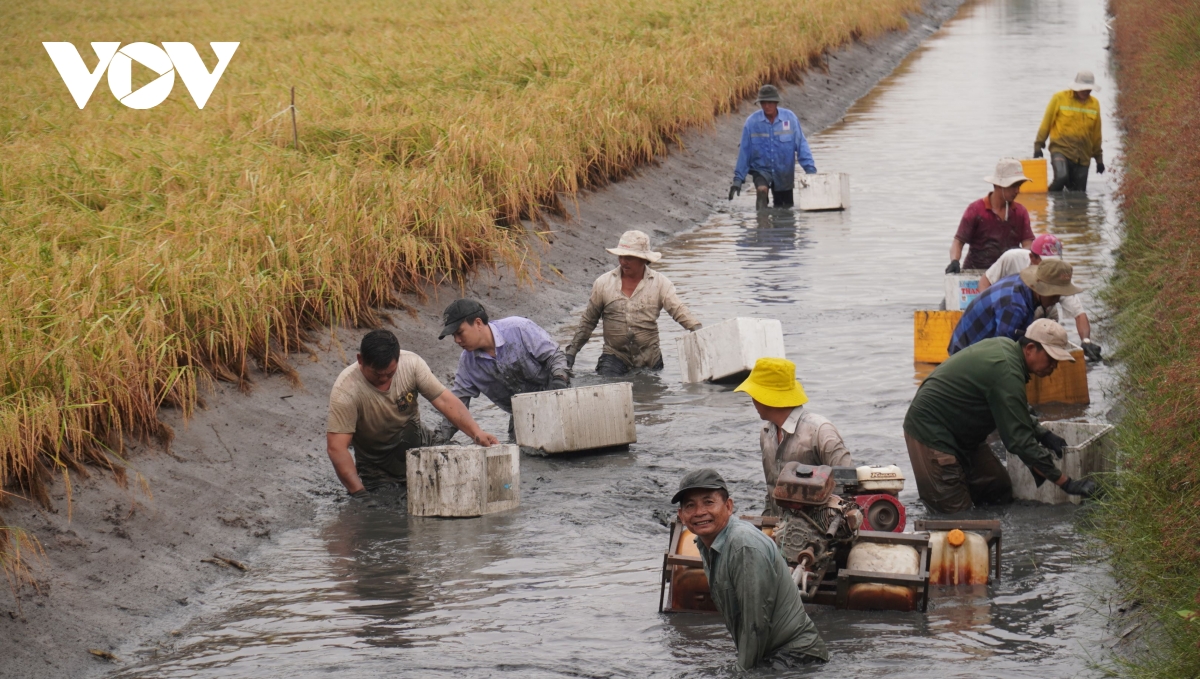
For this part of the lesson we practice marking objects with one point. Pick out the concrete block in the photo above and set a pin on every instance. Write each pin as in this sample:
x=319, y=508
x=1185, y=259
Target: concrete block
x=1089, y=450
x=961, y=288
x=570, y=420
x=932, y=331
x=822, y=191
x=1035, y=169
x=463, y=480
x=1067, y=384
x=728, y=349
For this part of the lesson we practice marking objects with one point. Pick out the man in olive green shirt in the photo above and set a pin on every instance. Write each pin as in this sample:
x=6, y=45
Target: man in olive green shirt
x=975, y=392
x=750, y=582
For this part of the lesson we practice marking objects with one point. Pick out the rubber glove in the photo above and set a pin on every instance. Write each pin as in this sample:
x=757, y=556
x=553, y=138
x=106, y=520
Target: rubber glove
x=361, y=494
x=1091, y=351
x=558, y=382
x=1083, y=488
x=1054, y=442
x=1099, y=167
x=735, y=189
x=1037, y=150
x=571, y=361
x=953, y=267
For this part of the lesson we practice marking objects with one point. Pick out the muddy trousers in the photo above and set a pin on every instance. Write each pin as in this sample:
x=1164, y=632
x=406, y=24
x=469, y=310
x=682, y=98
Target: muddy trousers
x=780, y=198
x=1068, y=175
x=946, y=486
x=611, y=366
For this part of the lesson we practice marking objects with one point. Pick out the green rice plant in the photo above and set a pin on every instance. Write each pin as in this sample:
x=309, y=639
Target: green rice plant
x=149, y=252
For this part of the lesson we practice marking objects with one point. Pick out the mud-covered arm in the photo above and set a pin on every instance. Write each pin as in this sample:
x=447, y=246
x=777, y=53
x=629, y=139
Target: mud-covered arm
x=587, y=323
x=1018, y=430
x=832, y=448
x=755, y=588
x=676, y=307
x=337, y=446
x=453, y=409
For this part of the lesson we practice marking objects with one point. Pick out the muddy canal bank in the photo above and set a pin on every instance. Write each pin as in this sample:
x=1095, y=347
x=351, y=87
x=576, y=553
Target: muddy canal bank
x=126, y=567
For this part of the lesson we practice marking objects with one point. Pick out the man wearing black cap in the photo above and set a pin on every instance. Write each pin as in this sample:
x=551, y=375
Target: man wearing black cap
x=500, y=359
x=772, y=144
x=749, y=580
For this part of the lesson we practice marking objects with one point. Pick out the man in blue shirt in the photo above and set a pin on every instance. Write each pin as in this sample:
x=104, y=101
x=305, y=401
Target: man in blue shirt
x=1007, y=308
x=500, y=359
x=772, y=142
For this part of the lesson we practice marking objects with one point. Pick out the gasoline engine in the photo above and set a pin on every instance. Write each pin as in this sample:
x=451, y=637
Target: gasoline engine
x=816, y=527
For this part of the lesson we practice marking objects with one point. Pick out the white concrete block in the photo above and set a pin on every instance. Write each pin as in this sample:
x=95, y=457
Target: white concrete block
x=1089, y=450
x=961, y=288
x=729, y=348
x=569, y=420
x=463, y=480
x=822, y=191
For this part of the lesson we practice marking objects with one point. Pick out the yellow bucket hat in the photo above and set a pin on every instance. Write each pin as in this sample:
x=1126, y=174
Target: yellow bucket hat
x=773, y=383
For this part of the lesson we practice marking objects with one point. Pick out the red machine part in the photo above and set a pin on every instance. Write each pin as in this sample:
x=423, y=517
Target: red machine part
x=881, y=512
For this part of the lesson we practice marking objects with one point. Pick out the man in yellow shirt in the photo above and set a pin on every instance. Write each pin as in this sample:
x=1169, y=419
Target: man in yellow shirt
x=1072, y=122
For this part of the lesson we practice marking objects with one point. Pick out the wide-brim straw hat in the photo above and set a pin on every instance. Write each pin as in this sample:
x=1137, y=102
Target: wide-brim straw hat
x=635, y=244
x=1052, y=337
x=1051, y=277
x=1008, y=172
x=1084, y=80
x=773, y=383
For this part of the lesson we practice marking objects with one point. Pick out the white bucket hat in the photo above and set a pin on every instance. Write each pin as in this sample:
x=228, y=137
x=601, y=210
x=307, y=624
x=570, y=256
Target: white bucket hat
x=1008, y=172
x=1084, y=80
x=1053, y=339
x=635, y=244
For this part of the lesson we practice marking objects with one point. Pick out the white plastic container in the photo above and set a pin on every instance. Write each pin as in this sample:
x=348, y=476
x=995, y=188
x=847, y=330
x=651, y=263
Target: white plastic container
x=958, y=557
x=570, y=420
x=887, y=479
x=728, y=349
x=1089, y=450
x=460, y=481
x=875, y=557
x=961, y=288
x=822, y=191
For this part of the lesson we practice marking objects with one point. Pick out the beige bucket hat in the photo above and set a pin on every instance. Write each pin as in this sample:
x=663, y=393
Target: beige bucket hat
x=1008, y=172
x=635, y=244
x=1051, y=277
x=1053, y=339
x=1084, y=80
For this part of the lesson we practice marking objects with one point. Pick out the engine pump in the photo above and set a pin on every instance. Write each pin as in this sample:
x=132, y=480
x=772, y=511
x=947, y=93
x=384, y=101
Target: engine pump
x=816, y=528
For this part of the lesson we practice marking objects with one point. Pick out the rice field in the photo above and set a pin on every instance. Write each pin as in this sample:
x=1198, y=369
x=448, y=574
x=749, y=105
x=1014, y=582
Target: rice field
x=146, y=253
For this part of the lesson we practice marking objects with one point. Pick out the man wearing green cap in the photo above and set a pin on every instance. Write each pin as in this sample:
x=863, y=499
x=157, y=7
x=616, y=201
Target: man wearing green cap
x=789, y=433
x=751, y=584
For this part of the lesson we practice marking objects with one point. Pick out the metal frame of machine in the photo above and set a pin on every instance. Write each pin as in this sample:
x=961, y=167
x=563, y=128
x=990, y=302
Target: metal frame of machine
x=920, y=581
x=990, y=529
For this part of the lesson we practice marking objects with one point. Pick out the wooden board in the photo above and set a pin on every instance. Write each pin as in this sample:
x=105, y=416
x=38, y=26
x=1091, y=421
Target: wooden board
x=1068, y=384
x=931, y=334
x=463, y=481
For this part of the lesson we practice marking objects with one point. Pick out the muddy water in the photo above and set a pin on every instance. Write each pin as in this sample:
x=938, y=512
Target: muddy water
x=568, y=584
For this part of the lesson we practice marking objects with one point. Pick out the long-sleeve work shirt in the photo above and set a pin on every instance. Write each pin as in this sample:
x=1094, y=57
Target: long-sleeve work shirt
x=1004, y=310
x=631, y=323
x=808, y=438
x=772, y=149
x=975, y=392
x=526, y=358
x=1073, y=127
x=753, y=590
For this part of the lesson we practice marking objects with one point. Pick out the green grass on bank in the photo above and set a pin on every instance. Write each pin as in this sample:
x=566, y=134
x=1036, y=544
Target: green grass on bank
x=1152, y=520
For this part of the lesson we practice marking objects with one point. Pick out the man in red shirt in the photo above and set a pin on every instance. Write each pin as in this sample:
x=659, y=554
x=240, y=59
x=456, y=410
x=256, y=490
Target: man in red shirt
x=993, y=224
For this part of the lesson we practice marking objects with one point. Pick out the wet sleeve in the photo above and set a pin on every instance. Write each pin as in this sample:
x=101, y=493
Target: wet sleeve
x=543, y=349
x=343, y=413
x=803, y=153
x=675, y=306
x=966, y=226
x=743, y=160
x=1047, y=121
x=755, y=588
x=427, y=385
x=591, y=316
x=833, y=449
x=1010, y=409
x=464, y=387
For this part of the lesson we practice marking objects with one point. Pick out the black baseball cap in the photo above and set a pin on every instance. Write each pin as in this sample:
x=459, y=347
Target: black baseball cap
x=459, y=311
x=703, y=479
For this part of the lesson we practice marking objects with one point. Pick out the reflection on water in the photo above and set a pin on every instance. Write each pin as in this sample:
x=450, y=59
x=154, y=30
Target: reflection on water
x=568, y=584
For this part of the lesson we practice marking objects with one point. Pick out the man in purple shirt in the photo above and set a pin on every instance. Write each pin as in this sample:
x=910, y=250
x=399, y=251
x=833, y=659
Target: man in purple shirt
x=500, y=359
x=994, y=223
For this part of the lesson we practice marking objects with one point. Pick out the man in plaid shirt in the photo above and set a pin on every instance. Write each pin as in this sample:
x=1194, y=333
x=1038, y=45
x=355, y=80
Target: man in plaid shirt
x=1007, y=308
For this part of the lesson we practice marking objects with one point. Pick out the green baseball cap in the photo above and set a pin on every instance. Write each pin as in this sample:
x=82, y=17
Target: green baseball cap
x=701, y=479
x=459, y=311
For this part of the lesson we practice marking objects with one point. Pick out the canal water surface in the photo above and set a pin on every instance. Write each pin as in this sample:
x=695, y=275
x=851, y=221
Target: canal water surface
x=567, y=586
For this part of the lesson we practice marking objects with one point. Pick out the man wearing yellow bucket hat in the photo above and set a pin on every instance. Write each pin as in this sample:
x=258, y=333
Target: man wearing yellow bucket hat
x=789, y=433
